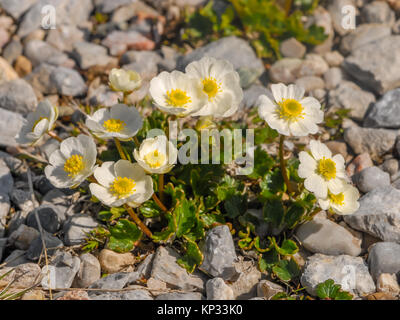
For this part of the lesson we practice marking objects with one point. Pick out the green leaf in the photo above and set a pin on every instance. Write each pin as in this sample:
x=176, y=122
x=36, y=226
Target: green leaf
x=168, y=232
x=264, y=135
x=227, y=188
x=193, y=256
x=273, y=211
x=286, y=270
x=329, y=290
x=293, y=215
x=150, y=209
x=268, y=259
x=288, y=247
x=282, y=296
x=185, y=217
x=210, y=219
x=272, y=184
x=235, y=206
x=112, y=214
x=262, y=164
x=123, y=236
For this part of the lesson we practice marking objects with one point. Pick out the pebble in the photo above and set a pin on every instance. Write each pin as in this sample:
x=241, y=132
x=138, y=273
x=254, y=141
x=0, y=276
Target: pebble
x=251, y=95
x=22, y=199
x=105, y=6
x=180, y=296
x=350, y=272
x=359, y=163
x=38, y=51
x=310, y=83
x=3, y=244
x=113, y=262
x=378, y=12
x=75, y=295
x=12, y=51
x=18, y=218
x=321, y=18
x=285, y=70
x=61, y=271
x=333, y=77
x=118, y=42
x=379, y=214
x=128, y=295
x=384, y=257
x=267, y=289
x=376, y=142
x=169, y=59
x=387, y=282
x=245, y=286
x=385, y=113
x=7, y=181
x=17, y=96
x=25, y=275
x=348, y=95
x=16, y=258
x=103, y=96
x=16, y=8
x=7, y=73
x=143, y=62
x=364, y=34
x=76, y=227
x=89, y=54
x=23, y=237
x=335, y=9
x=237, y=51
x=217, y=289
x=64, y=37
x=36, y=246
x=89, y=271
x=390, y=166
x=4, y=210
x=7, y=132
x=34, y=295
x=371, y=178
x=292, y=48
x=313, y=65
x=333, y=58
x=337, y=147
x=51, y=218
x=115, y=281
x=374, y=65
x=166, y=269
x=59, y=199
x=156, y=285
x=23, y=66
x=219, y=253
x=324, y=236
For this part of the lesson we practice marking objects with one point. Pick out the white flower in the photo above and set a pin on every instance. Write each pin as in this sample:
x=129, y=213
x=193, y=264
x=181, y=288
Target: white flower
x=220, y=84
x=72, y=163
x=124, y=80
x=176, y=93
x=321, y=170
x=156, y=155
x=119, y=121
x=37, y=123
x=121, y=182
x=344, y=202
x=290, y=113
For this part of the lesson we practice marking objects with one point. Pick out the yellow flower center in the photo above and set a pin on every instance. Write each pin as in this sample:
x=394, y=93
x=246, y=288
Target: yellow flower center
x=36, y=122
x=122, y=187
x=337, y=199
x=178, y=98
x=291, y=110
x=211, y=87
x=326, y=168
x=114, y=125
x=74, y=165
x=154, y=159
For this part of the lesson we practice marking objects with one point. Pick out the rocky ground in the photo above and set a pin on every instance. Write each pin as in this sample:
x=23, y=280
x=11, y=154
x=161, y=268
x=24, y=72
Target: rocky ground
x=353, y=69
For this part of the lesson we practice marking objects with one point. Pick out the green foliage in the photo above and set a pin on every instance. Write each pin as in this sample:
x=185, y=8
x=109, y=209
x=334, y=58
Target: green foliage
x=264, y=22
x=328, y=290
x=95, y=238
x=123, y=236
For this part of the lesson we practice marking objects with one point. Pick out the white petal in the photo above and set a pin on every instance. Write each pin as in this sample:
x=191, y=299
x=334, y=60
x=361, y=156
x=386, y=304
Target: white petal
x=102, y=194
x=319, y=150
x=307, y=165
x=279, y=91
x=105, y=174
x=317, y=185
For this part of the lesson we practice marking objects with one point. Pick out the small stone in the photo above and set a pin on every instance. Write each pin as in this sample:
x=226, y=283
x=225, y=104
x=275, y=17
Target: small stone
x=22, y=199
x=18, y=218
x=64, y=37
x=12, y=51
x=390, y=166
x=23, y=236
x=333, y=58
x=34, y=295
x=292, y=48
x=3, y=244
x=326, y=237
x=68, y=82
x=337, y=147
x=251, y=95
x=113, y=262
x=50, y=218
x=267, y=289
x=105, y=6
x=359, y=163
x=16, y=258
x=313, y=65
x=103, y=96
x=371, y=178
x=75, y=295
x=59, y=199
x=7, y=72
x=144, y=268
x=143, y=62
x=380, y=296
x=16, y=8
x=375, y=66
x=76, y=227
x=219, y=253
x=180, y=296
x=4, y=211
x=156, y=285
x=350, y=272
x=321, y=18
x=388, y=283
x=385, y=113
x=245, y=286
x=7, y=181
x=310, y=83
x=61, y=271
x=285, y=70
x=333, y=77
x=23, y=66
x=169, y=59
x=119, y=42
x=128, y=295
x=217, y=289
x=7, y=132
x=25, y=275
x=348, y=95
x=89, y=271
x=376, y=142
x=378, y=12
x=379, y=214
x=89, y=54
x=384, y=257
x=166, y=269
x=115, y=281
x=335, y=9
x=364, y=34
x=36, y=246
x=18, y=96
x=38, y=51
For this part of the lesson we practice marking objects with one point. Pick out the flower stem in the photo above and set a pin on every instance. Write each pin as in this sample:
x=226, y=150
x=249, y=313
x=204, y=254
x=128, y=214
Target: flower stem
x=314, y=213
x=126, y=94
x=120, y=150
x=138, y=222
x=283, y=165
x=159, y=203
x=54, y=136
x=161, y=186
x=288, y=6
x=136, y=141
